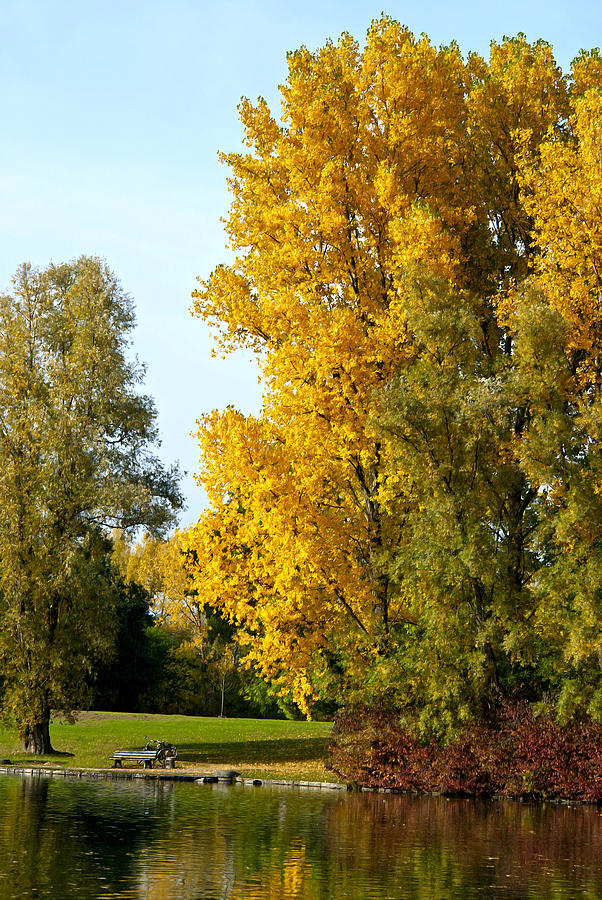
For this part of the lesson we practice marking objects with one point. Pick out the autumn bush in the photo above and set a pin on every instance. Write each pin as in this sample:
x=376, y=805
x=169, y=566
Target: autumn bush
x=520, y=755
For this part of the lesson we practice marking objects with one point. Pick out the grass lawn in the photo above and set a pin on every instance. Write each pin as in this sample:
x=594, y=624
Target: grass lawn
x=257, y=748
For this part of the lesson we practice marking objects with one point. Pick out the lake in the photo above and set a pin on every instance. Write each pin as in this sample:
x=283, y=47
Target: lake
x=77, y=838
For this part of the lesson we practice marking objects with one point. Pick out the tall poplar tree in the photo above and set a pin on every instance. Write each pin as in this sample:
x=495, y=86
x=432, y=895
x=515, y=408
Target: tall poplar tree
x=76, y=459
x=382, y=530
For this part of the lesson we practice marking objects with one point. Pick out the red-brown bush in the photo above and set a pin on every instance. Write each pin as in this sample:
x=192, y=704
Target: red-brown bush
x=523, y=755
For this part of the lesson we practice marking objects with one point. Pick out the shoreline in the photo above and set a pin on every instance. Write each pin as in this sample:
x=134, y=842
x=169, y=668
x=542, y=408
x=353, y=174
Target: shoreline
x=228, y=777
x=215, y=776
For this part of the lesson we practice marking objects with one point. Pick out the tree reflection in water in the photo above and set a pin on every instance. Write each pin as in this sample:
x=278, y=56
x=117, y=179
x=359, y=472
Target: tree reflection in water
x=111, y=839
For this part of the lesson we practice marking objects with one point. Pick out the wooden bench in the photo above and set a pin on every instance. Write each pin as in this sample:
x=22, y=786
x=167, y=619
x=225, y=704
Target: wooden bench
x=148, y=757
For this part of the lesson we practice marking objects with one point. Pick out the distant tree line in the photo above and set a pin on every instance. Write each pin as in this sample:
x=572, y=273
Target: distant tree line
x=155, y=669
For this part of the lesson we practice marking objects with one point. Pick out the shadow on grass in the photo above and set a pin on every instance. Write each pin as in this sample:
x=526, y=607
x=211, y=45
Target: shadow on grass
x=20, y=756
x=270, y=751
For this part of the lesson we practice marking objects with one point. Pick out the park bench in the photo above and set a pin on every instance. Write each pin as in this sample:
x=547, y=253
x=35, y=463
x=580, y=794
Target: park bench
x=148, y=757
x=162, y=752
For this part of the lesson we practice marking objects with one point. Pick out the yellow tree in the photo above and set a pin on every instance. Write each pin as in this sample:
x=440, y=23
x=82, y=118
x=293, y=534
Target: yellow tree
x=367, y=137
x=391, y=164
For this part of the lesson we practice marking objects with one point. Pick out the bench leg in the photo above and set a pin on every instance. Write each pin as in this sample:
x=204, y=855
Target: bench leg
x=117, y=764
x=148, y=763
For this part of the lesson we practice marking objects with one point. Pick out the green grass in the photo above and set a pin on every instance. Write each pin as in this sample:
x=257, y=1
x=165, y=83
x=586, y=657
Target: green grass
x=257, y=748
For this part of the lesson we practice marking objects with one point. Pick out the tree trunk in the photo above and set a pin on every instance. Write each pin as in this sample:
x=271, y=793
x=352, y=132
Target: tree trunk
x=36, y=738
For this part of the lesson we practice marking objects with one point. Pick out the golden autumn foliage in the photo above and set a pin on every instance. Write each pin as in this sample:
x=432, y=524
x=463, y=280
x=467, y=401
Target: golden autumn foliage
x=565, y=201
x=158, y=565
x=373, y=532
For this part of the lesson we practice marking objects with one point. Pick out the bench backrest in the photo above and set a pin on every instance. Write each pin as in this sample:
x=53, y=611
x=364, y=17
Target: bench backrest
x=135, y=754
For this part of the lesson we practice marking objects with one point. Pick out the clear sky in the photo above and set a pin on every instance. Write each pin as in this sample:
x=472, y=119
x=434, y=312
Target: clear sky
x=113, y=113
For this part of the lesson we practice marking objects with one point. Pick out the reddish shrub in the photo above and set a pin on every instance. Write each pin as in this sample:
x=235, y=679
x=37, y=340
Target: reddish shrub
x=522, y=756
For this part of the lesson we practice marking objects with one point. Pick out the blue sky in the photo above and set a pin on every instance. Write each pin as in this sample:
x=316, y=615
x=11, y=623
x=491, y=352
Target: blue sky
x=113, y=114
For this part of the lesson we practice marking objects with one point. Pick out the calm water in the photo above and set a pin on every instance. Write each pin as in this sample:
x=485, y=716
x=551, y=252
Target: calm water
x=107, y=839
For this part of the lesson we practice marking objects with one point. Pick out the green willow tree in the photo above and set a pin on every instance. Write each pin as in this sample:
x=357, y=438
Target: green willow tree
x=467, y=554
x=76, y=459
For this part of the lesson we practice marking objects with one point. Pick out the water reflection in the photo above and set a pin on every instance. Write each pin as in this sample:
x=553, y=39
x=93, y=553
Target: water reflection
x=153, y=840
